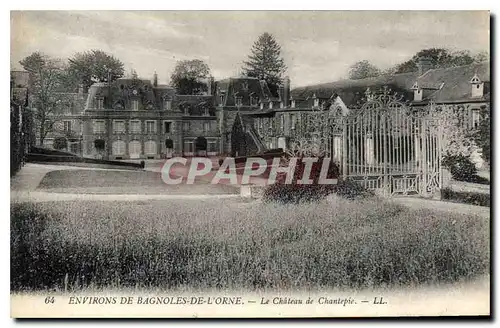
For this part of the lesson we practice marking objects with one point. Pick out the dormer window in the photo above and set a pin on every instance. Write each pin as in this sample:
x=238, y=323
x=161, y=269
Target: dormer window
x=239, y=101
x=316, y=102
x=186, y=110
x=99, y=102
x=477, y=87
x=135, y=104
x=417, y=92
x=293, y=103
x=167, y=104
x=253, y=100
x=205, y=111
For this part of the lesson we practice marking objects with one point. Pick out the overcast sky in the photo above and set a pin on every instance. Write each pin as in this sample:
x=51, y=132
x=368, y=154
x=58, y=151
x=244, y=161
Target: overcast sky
x=318, y=46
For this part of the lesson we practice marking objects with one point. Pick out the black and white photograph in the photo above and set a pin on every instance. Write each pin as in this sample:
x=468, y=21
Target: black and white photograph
x=250, y=164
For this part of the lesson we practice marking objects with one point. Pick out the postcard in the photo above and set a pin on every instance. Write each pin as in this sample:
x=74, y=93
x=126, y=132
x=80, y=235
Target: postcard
x=250, y=164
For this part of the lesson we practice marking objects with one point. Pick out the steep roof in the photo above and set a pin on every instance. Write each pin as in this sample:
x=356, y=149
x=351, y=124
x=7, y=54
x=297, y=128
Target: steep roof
x=353, y=91
x=453, y=84
x=243, y=87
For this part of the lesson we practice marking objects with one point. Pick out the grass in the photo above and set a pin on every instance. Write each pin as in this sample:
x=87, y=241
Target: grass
x=204, y=245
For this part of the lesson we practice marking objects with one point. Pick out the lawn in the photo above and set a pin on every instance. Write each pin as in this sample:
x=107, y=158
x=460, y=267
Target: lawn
x=205, y=244
x=123, y=182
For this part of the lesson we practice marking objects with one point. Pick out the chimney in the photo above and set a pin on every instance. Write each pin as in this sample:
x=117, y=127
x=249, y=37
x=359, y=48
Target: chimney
x=424, y=64
x=286, y=93
x=281, y=90
x=210, y=85
x=155, y=80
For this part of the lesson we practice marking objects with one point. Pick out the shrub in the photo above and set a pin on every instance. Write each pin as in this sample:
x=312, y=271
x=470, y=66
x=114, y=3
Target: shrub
x=460, y=167
x=297, y=193
x=473, y=198
x=60, y=143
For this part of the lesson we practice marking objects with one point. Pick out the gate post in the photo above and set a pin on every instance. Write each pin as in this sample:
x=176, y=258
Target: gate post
x=385, y=146
x=424, y=162
x=344, y=148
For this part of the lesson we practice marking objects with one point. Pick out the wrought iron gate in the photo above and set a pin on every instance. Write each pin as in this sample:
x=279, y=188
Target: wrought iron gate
x=388, y=146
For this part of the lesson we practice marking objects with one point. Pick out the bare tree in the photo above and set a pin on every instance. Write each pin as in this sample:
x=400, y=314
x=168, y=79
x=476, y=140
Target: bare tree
x=47, y=102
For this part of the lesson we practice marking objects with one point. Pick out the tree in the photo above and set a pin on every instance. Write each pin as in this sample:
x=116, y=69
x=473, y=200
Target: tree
x=481, y=57
x=189, y=75
x=45, y=84
x=363, y=69
x=439, y=58
x=265, y=62
x=95, y=66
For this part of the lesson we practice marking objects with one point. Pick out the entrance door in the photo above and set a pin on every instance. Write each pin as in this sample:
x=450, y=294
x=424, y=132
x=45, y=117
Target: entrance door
x=169, y=146
x=135, y=149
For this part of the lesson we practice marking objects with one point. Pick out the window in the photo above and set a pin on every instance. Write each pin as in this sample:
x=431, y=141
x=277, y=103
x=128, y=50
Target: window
x=292, y=121
x=475, y=118
x=186, y=126
x=118, y=147
x=135, y=104
x=150, y=126
x=206, y=127
x=188, y=146
x=167, y=104
x=205, y=111
x=134, y=149
x=282, y=104
x=261, y=105
x=239, y=101
x=98, y=126
x=282, y=122
x=118, y=126
x=186, y=110
x=270, y=105
x=212, y=146
x=99, y=103
x=253, y=101
x=150, y=147
x=293, y=103
x=67, y=126
x=135, y=127
x=167, y=127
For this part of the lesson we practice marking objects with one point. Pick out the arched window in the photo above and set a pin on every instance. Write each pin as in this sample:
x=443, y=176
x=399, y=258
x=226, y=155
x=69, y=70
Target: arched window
x=118, y=147
x=150, y=147
x=134, y=149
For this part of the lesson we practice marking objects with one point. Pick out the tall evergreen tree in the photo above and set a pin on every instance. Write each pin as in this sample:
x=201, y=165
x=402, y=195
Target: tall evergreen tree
x=265, y=62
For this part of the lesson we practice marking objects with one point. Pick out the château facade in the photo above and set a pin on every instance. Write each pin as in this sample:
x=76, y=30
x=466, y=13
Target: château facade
x=133, y=118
